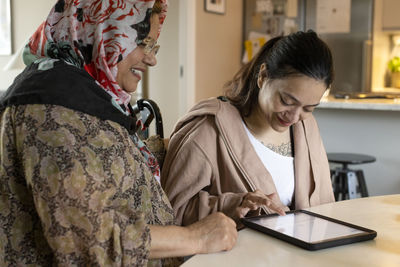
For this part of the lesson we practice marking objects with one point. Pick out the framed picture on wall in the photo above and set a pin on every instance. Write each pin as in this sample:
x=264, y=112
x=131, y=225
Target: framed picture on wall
x=215, y=6
x=5, y=27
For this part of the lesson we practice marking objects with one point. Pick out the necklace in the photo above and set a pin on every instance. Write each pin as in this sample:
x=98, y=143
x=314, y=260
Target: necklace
x=284, y=149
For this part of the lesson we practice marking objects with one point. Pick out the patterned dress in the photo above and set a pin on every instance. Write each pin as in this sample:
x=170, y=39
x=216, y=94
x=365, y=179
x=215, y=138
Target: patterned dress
x=74, y=190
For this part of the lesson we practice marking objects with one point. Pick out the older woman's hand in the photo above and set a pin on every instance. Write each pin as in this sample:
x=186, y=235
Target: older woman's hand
x=257, y=199
x=214, y=233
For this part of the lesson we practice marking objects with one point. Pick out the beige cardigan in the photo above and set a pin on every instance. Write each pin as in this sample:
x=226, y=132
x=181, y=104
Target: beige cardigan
x=210, y=164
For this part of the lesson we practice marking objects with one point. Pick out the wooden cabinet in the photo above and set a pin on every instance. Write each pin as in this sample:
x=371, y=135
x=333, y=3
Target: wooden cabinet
x=390, y=15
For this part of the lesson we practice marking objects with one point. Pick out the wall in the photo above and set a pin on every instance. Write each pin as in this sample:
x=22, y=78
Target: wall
x=164, y=77
x=381, y=49
x=26, y=16
x=206, y=46
x=218, y=48
x=375, y=133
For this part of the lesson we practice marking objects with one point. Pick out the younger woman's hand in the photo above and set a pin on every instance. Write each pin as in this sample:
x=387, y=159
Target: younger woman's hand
x=257, y=199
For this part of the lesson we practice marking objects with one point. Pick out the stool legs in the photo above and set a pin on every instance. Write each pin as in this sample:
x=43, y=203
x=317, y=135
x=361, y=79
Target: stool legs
x=336, y=183
x=348, y=183
x=362, y=184
x=351, y=184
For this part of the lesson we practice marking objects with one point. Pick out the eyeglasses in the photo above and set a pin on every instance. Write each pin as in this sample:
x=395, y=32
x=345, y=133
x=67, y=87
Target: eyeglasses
x=149, y=45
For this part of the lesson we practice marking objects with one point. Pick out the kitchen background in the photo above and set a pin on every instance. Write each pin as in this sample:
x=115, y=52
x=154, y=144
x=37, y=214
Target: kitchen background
x=201, y=50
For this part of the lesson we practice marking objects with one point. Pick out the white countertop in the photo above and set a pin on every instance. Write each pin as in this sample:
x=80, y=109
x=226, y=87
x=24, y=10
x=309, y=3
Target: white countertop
x=381, y=214
x=361, y=104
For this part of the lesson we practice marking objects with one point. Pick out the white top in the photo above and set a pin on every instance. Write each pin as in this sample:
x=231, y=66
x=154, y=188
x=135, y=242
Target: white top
x=280, y=167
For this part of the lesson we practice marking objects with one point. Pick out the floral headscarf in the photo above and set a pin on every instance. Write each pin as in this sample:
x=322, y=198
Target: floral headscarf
x=94, y=35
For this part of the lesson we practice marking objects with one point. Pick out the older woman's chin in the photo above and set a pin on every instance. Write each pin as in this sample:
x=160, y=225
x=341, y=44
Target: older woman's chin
x=130, y=87
x=130, y=90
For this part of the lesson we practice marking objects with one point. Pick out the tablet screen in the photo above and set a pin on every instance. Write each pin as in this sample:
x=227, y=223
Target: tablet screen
x=306, y=227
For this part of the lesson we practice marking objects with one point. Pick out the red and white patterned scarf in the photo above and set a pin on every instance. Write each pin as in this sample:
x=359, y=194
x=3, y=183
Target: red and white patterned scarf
x=94, y=35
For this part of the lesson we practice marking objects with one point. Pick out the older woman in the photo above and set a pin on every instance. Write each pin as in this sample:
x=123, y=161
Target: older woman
x=259, y=147
x=75, y=188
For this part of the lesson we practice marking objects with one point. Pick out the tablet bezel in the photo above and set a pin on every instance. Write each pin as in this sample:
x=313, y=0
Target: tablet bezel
x=367, y=234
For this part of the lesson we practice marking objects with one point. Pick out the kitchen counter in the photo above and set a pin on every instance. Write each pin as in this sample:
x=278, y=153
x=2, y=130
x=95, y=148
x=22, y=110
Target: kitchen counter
x=365, y=126
x=331, y=102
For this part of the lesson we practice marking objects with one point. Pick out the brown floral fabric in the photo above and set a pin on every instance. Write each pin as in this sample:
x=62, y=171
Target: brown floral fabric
x=74, y=191
x=157, y=147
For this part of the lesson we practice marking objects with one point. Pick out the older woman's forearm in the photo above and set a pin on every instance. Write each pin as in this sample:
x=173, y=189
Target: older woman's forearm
x=214, y=233
x=171, y=241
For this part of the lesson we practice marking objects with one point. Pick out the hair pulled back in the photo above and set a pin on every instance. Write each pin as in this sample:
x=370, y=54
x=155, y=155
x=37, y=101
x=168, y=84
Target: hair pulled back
x=300, y=53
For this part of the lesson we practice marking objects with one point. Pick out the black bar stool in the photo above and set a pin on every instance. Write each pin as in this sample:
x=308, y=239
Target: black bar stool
x=348, y=183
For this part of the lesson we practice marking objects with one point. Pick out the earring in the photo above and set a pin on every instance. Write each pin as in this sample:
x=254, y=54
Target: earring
x=259, y=81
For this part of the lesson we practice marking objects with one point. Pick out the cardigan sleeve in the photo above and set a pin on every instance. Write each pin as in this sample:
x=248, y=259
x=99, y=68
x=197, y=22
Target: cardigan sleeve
x=187, y=180
x=81, y=181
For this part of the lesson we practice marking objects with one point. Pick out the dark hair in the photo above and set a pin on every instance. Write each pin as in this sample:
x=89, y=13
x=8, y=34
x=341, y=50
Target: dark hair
x=298, y=53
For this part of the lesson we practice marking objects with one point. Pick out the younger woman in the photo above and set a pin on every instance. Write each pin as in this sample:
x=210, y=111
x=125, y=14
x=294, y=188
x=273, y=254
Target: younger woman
x=260, y=145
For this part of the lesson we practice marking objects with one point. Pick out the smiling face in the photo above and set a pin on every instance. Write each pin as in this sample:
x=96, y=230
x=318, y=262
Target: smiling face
x=284, y=102
x=131, y=68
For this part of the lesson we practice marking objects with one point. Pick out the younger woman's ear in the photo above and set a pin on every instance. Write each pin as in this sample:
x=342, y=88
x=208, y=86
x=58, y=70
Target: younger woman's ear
x=262, y=74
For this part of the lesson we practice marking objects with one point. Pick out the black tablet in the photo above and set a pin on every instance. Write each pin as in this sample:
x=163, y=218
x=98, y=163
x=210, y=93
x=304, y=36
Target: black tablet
x=309, y=230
